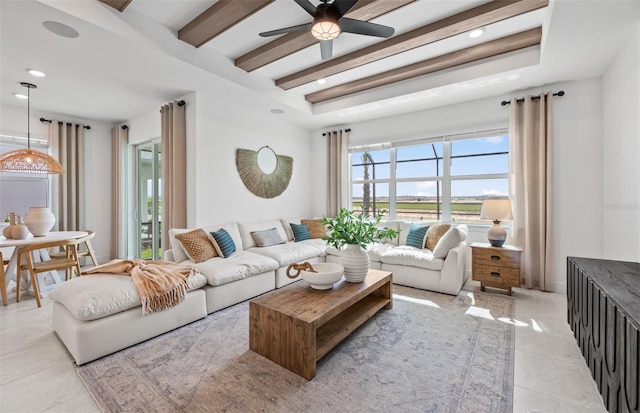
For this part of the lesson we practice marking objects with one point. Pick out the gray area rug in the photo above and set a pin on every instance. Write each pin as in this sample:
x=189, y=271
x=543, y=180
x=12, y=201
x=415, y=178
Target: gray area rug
x=430, y=353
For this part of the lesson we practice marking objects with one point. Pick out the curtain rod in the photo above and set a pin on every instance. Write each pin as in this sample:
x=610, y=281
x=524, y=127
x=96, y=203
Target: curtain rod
x=59, y=122
x=506, y=102
x=346, y=130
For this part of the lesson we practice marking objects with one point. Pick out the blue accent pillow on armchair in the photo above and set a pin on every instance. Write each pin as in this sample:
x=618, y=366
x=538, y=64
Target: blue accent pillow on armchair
x=225, y=243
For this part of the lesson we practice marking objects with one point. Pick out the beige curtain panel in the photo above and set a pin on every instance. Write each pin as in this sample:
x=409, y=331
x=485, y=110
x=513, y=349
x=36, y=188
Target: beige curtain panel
x=67, y=140
x=531, y=187
x=174, y=169
x=337, y=171
x=119, y=142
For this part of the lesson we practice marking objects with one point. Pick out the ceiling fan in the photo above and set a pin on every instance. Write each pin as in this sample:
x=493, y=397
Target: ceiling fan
x=328, y=23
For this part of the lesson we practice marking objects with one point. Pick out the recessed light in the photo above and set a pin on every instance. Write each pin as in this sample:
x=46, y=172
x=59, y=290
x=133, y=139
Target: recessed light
x=20, y=96
x=277, y=111
x=35, y=72
x=321, y=81
x=476, y=32
x=61, y=29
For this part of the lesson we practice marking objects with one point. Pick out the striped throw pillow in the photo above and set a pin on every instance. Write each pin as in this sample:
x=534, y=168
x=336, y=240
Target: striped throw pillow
x=300, y=232
x=417, y=234
x=225, y=245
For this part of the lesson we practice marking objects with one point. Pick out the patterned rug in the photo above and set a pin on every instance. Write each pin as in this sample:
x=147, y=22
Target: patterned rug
x=430, y=353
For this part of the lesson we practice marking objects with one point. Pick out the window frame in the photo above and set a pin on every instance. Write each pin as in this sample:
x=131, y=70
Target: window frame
x=445, y=180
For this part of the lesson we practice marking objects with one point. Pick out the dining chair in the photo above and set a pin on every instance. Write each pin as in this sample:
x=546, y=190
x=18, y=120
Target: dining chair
x=3, y=285
x=80, y=252
x=25, y=262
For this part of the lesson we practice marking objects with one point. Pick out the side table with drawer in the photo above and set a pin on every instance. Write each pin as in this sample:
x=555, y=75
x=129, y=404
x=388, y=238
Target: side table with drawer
x=496, y=267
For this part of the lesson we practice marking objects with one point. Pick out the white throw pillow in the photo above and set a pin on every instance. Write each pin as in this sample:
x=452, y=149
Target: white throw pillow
x=451, y=239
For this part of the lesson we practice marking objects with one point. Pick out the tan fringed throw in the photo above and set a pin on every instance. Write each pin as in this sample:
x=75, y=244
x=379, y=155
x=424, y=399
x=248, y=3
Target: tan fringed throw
x=160, y=284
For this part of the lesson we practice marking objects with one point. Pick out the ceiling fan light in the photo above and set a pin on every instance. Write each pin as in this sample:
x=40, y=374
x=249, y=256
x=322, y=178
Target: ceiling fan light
x=325, y=30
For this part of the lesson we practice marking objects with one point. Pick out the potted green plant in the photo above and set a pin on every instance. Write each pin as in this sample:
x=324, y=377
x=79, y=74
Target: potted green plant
x=351, y=233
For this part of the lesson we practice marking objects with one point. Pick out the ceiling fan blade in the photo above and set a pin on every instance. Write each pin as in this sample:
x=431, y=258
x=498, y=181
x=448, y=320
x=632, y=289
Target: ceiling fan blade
x=284, y=30
x=367, y=28
x=326, y=49
x=343, y=6
x=306, y=4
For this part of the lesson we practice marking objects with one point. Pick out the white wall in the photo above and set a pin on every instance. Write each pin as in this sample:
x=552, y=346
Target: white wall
x=97, y=176
x=621, y=153
x=215, y=129
x=577, y=157
x=221, y=196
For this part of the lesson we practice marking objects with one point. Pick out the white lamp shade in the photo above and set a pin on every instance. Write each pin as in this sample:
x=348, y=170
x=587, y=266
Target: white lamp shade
x=496, y=210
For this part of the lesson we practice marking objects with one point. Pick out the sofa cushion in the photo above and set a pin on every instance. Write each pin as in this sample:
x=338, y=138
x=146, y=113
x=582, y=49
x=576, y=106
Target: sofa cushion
x=91, y=297
x=300, y=232
x=376, y=250
x=224, y=243
x=316, y=228
x=179, y=253
x=450, y=239
x=267, y=237
x=435, y=232
x=197, y=244
x=392, y=224
x=288, y=253
x=241, y=265
x=318, y=243
x=413, y=257
x=287, y=228
x=246, y=230
x=417, y=235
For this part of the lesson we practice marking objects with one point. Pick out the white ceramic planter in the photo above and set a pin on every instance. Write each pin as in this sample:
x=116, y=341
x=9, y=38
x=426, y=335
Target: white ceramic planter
x=39, y=220
x=355, y=261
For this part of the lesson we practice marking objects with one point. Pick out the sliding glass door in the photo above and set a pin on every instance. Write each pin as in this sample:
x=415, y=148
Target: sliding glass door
x=149, y=200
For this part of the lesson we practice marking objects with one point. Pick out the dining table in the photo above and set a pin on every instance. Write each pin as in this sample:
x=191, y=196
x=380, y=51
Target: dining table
x=46, y=280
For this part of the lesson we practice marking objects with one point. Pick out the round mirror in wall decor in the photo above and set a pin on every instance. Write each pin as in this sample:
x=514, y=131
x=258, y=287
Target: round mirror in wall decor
x=264, y=173
x=267, y=160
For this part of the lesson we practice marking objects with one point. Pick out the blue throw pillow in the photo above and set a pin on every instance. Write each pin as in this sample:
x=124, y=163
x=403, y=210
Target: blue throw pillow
x=416, y=236
x=225, y=243
x=300, y=232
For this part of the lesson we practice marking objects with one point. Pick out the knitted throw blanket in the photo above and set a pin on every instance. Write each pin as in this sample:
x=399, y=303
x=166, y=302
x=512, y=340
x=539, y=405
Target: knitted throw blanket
x=160, y=284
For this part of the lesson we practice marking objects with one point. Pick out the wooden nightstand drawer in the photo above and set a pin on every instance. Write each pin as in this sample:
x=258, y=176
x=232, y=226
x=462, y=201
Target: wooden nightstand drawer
x=504, y=276
x=496, y=257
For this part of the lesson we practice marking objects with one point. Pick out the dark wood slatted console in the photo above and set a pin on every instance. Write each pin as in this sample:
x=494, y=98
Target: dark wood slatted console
x=603, y=299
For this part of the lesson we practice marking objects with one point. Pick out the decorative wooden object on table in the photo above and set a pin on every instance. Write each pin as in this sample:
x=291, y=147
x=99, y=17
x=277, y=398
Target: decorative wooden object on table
x=496, y=267
x=296, y=326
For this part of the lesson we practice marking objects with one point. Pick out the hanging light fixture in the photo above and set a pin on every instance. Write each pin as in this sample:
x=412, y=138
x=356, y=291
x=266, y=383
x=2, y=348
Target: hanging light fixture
x=28, y=161
x=325, y=23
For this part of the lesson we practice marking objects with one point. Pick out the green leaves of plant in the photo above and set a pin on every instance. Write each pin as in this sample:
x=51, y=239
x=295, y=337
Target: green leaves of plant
x=349, y=228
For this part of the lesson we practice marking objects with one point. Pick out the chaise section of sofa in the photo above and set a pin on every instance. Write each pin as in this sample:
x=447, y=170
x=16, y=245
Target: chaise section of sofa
x=96, y=315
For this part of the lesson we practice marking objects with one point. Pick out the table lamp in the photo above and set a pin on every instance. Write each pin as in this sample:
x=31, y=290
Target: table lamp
x=496, y=210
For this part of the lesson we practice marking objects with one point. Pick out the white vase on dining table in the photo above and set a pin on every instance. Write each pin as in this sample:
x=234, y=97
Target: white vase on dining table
x=39, y=220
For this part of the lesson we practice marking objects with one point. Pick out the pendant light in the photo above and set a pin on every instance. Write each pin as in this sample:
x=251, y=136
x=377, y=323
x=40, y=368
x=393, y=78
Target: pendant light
x=28, y=161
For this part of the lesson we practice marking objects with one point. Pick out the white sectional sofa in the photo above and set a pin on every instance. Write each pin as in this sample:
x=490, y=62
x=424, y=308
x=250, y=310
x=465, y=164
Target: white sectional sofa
x=99, y=314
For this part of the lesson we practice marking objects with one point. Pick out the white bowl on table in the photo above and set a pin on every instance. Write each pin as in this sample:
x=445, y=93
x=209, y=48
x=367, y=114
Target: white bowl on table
x=327, y=274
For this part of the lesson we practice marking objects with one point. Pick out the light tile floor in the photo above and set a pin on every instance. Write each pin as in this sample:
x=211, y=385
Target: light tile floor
x=37, y=374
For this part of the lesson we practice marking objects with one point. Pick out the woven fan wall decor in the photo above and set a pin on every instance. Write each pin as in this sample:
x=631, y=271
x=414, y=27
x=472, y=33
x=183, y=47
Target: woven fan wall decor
x=264, y=185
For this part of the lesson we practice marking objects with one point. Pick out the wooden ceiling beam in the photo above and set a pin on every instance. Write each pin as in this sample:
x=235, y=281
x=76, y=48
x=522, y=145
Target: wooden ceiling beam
x=295, y=41
x=471, y=54
x=119, y=5
x=482, y=15
x=218, y=18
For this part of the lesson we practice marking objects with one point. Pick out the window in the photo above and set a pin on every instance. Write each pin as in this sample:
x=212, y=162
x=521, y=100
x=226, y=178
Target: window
x=436, y=179
x=22, y=191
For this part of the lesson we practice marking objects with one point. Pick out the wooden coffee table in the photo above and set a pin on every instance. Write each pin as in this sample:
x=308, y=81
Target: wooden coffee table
x=296, y=326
